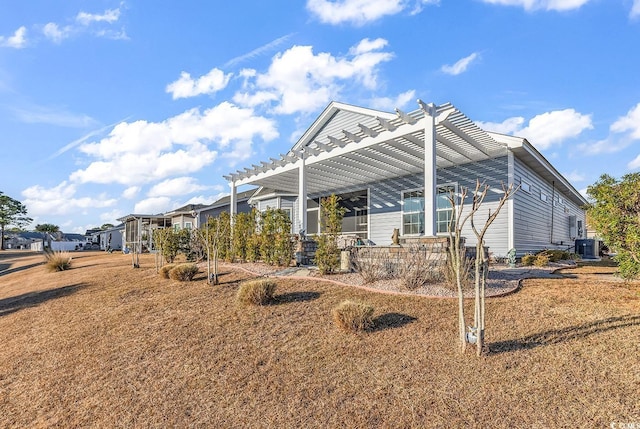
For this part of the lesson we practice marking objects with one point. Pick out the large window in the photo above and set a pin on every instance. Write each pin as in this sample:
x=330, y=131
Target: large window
x=413, y=210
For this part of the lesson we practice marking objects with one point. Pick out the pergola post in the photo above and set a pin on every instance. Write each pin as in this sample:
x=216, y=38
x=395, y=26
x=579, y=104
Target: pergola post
x=430, y=170
x=302, y=195
x=233, y=202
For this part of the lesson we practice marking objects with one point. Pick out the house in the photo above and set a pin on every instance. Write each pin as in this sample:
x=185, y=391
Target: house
x=138, y=231
x=22, y=240
x=222, y=205
x=185, y=217
x=395, y=170
x=111, y=238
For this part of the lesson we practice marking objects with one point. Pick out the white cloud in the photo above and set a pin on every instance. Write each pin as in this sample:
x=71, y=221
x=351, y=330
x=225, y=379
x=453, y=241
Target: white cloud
x=17, y=41
x=544, y=130
x=635, y=9
x=111, y=216
x=357, y=12
x=461, y=65
x=629, y=123
x=361, y=12
x=142, y=152
x=508, y=126
x=258, y=51
x=574, y=176
x=56, y=34
x=175, y=187
x=608, y=145
x=109, y=16
x=388, y=103
x=210, y=83
x=302, y=81
x=60, y=200
x=532, y=5
x=554, y=127
x=131, y=192
x=634, y=164
x=34, y=114
x=153, y=205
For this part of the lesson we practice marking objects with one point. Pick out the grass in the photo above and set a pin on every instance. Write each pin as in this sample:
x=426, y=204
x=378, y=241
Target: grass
x=352, y=316
x=57, y=261
x=105, y=345
x=183, y=272
x=256, y=292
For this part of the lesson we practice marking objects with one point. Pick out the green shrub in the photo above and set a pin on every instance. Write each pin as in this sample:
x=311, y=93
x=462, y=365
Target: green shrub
x=57, y=261
x=183, y=272
x=558, y=255
x=528, y=259
x=353, y=316
x=327, y=256
x=256, y=292
x=276, y=247
x=164, y=270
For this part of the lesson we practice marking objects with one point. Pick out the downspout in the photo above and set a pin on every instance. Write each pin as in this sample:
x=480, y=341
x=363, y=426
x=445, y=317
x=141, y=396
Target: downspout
x=553, y=203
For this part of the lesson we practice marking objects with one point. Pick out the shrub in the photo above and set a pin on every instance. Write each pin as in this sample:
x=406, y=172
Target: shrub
x=57, y=261
x=164, y=270
x=353, y=316
x=558, y=255
x=256, y=292
x=183, y=272
x=528, y=259
x=542, y=259
x=327, y=256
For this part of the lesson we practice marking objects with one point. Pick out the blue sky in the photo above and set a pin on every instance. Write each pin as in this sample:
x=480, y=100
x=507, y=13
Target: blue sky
x=109, y=108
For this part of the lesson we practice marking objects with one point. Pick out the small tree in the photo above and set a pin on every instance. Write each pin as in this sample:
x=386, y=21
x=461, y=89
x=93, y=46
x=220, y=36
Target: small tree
x=327, y=254
x=12, y=212
x=615, y=213
x=276, y=247
x=481, y=262
x=47, y=228
x=244, y=227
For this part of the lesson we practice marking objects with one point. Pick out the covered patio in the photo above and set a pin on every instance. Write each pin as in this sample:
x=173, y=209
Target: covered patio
x=349, y=149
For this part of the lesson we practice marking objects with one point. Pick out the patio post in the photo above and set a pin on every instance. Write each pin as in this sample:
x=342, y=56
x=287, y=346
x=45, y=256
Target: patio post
x=430, y=170
x=233, y=202
x=302, y=194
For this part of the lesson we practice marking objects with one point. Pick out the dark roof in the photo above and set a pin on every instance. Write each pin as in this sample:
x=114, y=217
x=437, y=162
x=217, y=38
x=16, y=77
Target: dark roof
x=240, y=197
x=74, y=237
x=186, y=208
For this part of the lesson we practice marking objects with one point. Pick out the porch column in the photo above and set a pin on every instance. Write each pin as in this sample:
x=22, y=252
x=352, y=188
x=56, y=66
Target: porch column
x=233, y=202
x=430, y=170
x=302, y=194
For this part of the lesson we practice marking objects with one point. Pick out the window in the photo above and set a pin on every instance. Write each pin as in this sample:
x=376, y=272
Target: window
x=187, y=225
x=525, y=186
x=176, y=227
x=543, y=197
x=413, y=212
x=444, y=211
x=361, y=219
x=287, y=211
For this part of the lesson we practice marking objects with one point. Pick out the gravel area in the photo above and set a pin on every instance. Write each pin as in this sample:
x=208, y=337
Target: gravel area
x=502, y=279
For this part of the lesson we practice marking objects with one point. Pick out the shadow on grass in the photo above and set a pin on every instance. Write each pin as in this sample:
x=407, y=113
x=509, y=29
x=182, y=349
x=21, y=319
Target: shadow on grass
x=558, y=336
x=32, y=299
x=4, y=268
x=391, y=321
x=286, y=298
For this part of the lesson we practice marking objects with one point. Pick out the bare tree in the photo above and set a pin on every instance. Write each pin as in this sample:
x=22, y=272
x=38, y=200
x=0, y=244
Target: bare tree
x=481, y=261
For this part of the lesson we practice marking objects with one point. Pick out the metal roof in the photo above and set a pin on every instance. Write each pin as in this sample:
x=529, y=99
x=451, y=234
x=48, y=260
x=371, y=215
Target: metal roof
x=370, y=147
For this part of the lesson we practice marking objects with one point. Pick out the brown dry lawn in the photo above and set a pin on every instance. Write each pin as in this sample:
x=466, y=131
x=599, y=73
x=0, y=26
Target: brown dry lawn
x=107, y=345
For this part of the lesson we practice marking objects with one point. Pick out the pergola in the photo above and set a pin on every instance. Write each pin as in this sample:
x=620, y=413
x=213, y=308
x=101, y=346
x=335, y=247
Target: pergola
x=374, y=146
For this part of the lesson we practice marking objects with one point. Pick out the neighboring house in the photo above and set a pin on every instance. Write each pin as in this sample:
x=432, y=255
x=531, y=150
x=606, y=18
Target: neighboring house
x=185, y=217
x=222, y=205
x=59, y=241
x=138, y=231
x=22, y=240
x=111, y=238
x=377, y=163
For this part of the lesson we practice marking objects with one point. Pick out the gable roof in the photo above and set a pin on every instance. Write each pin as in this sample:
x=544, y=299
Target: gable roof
x=533, y=159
